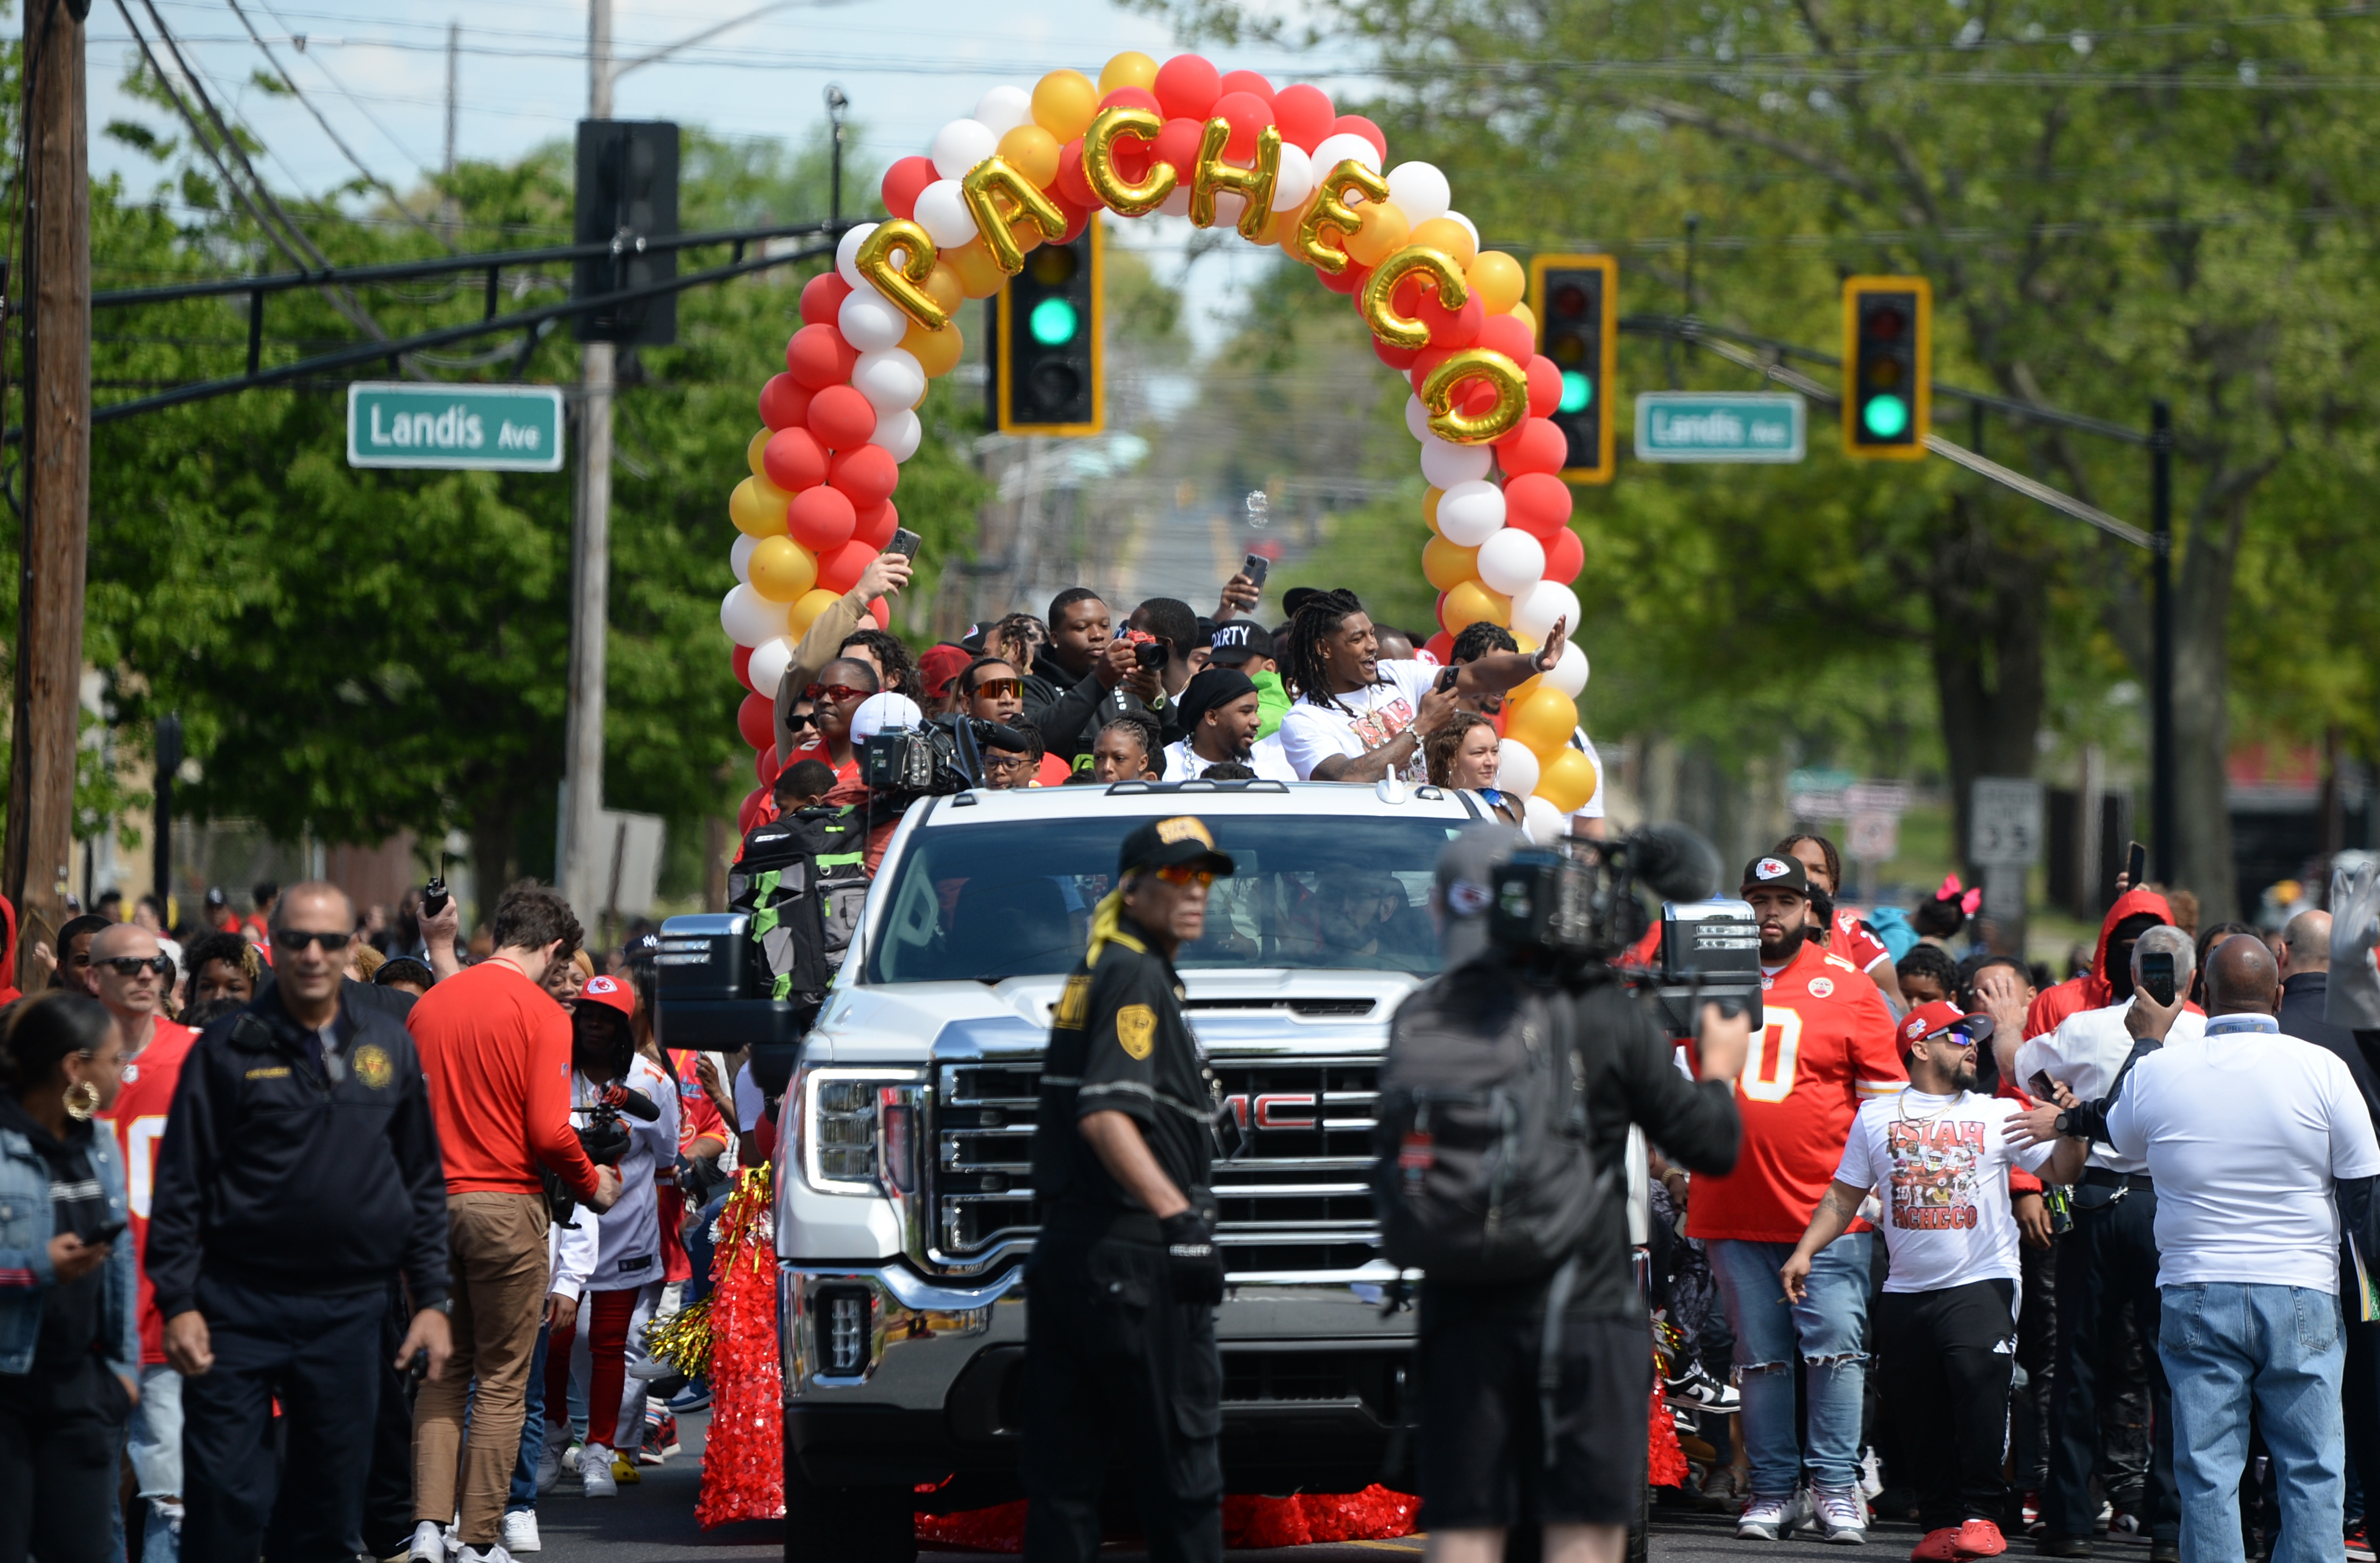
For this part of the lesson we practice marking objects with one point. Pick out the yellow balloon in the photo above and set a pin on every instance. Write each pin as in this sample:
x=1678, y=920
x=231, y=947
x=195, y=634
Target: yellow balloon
x=1446, y=234
x=806, y=607
x=1544, y=721
x=1429, y=498
x=1468, y=602
x=1566, y=779
x=1447, y=565
x=782, y=569
x=1383, y=233
x=941, y=285
x=1497, y=278
x=1063, y=101
x=1033, y=153
x=757, y=508
x=1130, y=68
x=752, y=453
x=979, y=276
x=937, y=352
x=1526, y=316
x=1528, y=686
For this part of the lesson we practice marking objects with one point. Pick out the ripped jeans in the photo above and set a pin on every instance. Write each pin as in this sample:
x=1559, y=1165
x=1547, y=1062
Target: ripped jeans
x=1825, y=1327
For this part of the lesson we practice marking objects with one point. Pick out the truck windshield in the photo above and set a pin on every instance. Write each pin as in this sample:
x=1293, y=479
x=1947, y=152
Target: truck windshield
x=987, y=901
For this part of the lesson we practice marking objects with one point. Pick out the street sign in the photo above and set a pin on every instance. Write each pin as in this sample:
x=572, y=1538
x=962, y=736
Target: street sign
x=1874, y=836
x=493, y=427
x=1877, y=798
x=2004, y=823
x=1720, y=426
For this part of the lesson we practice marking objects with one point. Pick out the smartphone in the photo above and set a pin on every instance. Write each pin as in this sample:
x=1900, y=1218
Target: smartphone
x=905, y=543
x=1254, y=567
x=2156, y=975
x=108, y=1233
x=1446, y=678
x=2136, y=865
x=2043, y=1089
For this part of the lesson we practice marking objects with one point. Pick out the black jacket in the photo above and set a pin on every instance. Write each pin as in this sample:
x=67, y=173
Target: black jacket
x=276, y=1173
x=1069, y=711
x=2303, y=997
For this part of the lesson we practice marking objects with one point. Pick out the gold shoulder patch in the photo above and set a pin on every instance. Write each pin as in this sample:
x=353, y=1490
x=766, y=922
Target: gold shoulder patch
x=372, y=1067
x=1136, y=1031
x=1073, y=1002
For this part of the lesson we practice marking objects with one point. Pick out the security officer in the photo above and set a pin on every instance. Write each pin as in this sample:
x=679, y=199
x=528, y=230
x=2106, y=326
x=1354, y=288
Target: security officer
x=1120, y=1358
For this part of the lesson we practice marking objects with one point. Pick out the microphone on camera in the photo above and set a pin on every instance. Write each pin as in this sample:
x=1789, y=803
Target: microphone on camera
x=1674, y=862
x=635, y=1103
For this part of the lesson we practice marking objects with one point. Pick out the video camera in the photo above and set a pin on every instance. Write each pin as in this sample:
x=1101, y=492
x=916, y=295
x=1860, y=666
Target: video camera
x=1577, y=907
x=943, y=757
x=604, y=1139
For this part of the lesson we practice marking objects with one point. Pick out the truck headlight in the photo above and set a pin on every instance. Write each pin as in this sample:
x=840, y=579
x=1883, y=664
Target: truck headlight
x=860, y=1130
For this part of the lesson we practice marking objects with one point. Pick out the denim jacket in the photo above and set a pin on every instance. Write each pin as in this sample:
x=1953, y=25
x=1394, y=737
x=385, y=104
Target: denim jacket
x=26, y=1225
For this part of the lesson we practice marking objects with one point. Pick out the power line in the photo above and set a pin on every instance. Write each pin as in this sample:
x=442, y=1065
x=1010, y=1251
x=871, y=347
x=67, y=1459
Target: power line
x=340, y=87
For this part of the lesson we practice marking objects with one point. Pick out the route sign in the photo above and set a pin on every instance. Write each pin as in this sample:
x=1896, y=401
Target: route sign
x=493, y=428
x=1737, y=426
x=2004, y=821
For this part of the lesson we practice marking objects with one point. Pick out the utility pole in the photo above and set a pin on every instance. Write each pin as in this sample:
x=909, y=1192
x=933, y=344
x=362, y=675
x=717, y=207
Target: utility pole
x=454, y=82
x=583, y=861
x=169, y=760
x=2161, y=762
x=838, y=103
x=56, y=287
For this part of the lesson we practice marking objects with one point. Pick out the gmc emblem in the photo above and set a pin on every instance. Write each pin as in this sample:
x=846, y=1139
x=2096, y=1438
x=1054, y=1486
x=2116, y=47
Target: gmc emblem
x=1275, y=1109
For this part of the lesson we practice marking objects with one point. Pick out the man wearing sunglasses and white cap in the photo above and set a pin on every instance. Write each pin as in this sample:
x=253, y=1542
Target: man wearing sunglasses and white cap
x=1119, y=1355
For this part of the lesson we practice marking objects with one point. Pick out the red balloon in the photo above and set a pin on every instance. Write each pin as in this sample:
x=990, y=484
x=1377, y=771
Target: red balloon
x=1357, y=125
x=1248, y=81
x=764, y=766
x=756, y=719
x=1506, y=335
x=840, y=568
x=1248, y=115
x=1396, y=357
x=878, y=611
x=877, y=524
x=1536, y=446
x=1440, y=645
x=1545, y=387
x=1440, y=612
x=1425, y=364
x=1178, y=144
x=793, y=460
x=841, y=418
x=819, y=356
x=1077, y=217
x=1072, y=184
x=1538, y=502
x=905, y=182
x=742, y=663
x=747, y=813
x=820, y=519
x=866, y=473
x=1565, y=557
x=1351, y=278
x=784, y=402
x=1452, y=328
x=1133, y=97
x=1304, y=116
x=1187, y=87
x=823, y=299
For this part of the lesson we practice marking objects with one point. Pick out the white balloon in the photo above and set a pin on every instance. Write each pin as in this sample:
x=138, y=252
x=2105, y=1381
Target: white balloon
x=1546, y=824
x=960, y=144
x=1511, y=562
x=769, y=663
x=1534, y=610
x=869, y=321
x=1178, y=203
x=739, y=557
x=898, y=430
x=890, y=379
x=1417, y=417
x=1229, y=204
x=1419, y=190
x=846, y=253
x=1296, y=179
x=750, y=619
x=942, y=212
x=1470, y=513
x=1003, y=109
x=1468, y=226
x=1332, y=150
x=1446, y=464
x=1516, y=767
x=1569, y=675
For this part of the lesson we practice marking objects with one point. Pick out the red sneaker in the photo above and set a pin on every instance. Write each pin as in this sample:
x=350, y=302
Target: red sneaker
x=1940, y=1546
x=1978, y=1538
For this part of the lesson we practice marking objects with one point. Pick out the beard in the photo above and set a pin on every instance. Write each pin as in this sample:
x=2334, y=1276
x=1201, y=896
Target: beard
x=1785, y=949
x=1963, y=1075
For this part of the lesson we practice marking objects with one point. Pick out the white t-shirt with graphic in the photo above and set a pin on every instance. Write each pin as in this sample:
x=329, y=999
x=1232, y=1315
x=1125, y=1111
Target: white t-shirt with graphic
x=1311, y=733
x=1265, y=757
x=1941, y=1163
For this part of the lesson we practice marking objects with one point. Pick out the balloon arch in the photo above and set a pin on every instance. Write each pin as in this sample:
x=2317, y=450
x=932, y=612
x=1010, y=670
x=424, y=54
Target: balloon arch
x=1184, y=139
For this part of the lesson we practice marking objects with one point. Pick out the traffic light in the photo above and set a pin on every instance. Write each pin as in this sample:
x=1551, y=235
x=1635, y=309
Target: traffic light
x=1888, y=367
x=627, y=193
x=1046, y=342
x=1576, y=299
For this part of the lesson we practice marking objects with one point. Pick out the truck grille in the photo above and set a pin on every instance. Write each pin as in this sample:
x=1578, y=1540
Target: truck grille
x=1296, y=1199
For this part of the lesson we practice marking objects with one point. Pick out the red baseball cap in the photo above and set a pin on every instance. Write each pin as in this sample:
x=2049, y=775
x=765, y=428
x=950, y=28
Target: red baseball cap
x=1929, y=1020
x=940, y=665
x=618, y=995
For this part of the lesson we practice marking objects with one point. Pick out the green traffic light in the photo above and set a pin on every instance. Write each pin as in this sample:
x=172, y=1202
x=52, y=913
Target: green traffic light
x=1053, y=322
x=1577, y=392
x=1886, y=418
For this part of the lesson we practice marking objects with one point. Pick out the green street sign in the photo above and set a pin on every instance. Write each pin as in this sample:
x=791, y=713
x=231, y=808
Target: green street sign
x=494, y=427
x=1720, y=426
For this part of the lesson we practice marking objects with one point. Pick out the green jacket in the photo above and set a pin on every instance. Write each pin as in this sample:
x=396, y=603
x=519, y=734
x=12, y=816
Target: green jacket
x=1273, y=700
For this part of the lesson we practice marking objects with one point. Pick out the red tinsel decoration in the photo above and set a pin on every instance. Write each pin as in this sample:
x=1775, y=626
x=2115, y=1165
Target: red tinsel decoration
x=998, y=1529
x=1374, y=1514
x=744, y=1456
x=1664, y=1461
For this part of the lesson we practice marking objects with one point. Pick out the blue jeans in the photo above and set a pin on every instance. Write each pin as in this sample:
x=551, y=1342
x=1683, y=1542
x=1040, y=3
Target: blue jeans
x=1825, y=1327
x=532, y=1444
x=155, y=1446
x=2226, y=1346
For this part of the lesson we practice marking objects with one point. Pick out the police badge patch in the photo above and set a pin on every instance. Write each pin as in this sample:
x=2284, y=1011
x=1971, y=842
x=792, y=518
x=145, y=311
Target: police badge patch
x=372, y=1066
x=1136, y=1031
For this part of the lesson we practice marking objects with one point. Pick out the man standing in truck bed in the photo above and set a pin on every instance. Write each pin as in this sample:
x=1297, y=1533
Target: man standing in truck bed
x=1120, y=1356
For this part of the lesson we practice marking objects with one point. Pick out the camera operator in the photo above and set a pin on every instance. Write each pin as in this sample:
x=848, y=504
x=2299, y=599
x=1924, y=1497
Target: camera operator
x=1497, y=1448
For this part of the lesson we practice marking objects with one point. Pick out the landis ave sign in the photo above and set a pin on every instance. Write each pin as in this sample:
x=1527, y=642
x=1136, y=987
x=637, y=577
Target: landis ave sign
x=1726, y=426
x=493, y=427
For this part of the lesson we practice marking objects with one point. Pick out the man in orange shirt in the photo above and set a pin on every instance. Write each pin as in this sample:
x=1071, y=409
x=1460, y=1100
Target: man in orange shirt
x=496, y=1050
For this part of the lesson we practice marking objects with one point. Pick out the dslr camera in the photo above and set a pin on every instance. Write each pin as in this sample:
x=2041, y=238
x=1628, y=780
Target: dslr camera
x=604, y=1139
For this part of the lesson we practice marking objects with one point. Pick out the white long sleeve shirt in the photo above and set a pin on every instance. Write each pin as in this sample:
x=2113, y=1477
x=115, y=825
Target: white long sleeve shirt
x=630, y=1246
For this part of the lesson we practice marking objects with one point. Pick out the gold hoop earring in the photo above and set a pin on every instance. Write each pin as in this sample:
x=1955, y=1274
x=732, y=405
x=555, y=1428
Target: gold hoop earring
x=82, y=1101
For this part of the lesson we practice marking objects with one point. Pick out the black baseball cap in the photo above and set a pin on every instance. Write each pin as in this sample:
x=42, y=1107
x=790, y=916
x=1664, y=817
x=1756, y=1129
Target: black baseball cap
x=1237, y=640
x=1297, y=598
x=1778, y=870
x=1167, y=843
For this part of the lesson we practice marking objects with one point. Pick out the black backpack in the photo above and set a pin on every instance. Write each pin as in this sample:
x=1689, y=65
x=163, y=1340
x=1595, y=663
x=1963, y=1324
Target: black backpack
x=803, y=879
x=1484, y=1175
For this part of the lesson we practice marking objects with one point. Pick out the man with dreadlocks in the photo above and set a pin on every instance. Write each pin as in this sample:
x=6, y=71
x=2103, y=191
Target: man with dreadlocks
x=1355, y=717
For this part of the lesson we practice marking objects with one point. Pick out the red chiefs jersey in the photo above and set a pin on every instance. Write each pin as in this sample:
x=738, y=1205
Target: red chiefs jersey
x=1826, y=1045
x=1850, y=940
x=138, y=1118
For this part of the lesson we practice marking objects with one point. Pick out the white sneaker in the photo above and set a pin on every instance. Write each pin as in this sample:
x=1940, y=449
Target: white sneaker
x=520, y=1530
x=1871, y=1481
x=1841, y=1514
x=493, y=1553
x=595, y=1471
x=1768, y=1519
x=549, y=1460
x=429, y=1542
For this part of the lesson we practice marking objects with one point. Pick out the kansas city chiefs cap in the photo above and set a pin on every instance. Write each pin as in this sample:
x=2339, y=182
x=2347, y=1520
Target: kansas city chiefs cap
x=1773, y=872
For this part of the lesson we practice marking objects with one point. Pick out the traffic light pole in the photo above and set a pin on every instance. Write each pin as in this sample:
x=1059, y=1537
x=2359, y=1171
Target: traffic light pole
x=2161, y=764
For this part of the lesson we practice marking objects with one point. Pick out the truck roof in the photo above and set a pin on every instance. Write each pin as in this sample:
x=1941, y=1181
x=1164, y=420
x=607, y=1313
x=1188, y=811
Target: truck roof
x=1220, y=799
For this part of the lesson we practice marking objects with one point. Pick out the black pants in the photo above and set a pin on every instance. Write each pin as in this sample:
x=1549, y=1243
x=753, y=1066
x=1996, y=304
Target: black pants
x=320, y=1357
x=2359, y=1394
x=1116, y=1371
x=2037, y=1353
x=2110, y=1260
x=61, y=1434
x=1949, y=1356
x=388, y=1489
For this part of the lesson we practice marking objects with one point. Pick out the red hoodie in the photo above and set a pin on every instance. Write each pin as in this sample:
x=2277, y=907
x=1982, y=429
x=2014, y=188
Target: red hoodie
x=2092, y=992
x=9, y=993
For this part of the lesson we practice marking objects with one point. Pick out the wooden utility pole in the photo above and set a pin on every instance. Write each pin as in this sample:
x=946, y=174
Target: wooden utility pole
x=56, y=288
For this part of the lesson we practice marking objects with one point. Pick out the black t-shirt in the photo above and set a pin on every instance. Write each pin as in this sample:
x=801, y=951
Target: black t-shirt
x=1118, y=1043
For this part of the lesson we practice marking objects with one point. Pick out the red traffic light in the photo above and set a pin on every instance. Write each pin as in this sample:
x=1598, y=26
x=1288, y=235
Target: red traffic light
x=1884, y=325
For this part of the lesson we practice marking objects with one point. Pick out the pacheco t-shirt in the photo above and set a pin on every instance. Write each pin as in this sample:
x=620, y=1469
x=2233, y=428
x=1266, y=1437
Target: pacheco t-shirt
x=139, y=1119
x=1361, y=721
x=1825, y=1046
x=1941, y=1166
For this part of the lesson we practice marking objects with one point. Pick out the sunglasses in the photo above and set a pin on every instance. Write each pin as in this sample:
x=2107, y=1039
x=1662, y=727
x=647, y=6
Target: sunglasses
x=1183, y=874
x=296, y=940
x=133, y=965
x=838, y=693
x=1005, y=763
x=1002, y=687
x=800, y=719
